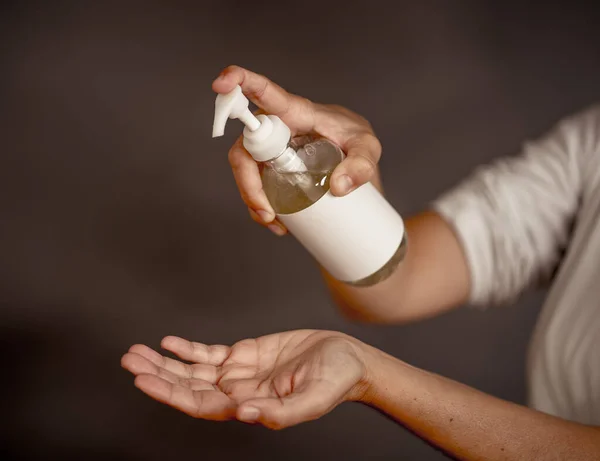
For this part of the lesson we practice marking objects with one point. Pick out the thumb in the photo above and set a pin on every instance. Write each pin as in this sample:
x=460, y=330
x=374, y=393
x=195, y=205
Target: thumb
x=279, y=413
x=359, y=167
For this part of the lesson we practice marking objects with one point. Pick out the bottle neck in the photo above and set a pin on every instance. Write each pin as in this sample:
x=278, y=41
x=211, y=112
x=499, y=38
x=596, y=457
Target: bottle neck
x=288, y=162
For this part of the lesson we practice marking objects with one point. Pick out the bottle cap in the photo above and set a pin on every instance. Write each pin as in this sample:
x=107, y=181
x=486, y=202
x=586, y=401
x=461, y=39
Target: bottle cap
x=265, y=136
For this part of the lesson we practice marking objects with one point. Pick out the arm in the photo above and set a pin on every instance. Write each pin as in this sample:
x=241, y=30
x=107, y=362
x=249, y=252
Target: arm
x=469, y=424
x=285, y=379
x=498, y=233
x=434, y=276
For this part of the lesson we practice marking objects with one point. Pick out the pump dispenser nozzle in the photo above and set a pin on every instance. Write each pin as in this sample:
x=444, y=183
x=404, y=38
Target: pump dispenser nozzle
x=265, y=136
x=233, y=105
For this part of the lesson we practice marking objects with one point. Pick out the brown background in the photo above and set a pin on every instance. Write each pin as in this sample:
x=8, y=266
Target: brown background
x=121, y=223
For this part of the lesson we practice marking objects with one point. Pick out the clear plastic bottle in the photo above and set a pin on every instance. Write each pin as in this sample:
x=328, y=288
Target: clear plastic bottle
x=358, y=238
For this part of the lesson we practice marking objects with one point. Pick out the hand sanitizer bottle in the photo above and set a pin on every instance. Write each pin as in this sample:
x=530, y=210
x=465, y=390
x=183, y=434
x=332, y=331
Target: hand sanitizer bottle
x=359, y=238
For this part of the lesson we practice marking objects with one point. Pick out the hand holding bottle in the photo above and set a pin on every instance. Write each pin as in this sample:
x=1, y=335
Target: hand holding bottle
x=342, y=126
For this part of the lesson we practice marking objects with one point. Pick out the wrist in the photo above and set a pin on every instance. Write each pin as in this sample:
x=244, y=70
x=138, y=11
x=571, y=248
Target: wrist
x=380, y=370
x=370, y=360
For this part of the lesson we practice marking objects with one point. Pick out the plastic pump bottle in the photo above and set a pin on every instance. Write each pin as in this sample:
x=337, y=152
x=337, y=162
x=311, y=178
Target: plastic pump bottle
x=359, y=238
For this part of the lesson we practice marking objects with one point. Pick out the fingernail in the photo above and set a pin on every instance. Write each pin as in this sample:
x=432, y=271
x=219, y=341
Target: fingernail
x=345, y=184
x=249, y=414
x=265, y=216
x=276, y=229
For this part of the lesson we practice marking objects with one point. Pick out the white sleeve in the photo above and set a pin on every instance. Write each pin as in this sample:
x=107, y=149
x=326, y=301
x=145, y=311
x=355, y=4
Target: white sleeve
x=514, y=216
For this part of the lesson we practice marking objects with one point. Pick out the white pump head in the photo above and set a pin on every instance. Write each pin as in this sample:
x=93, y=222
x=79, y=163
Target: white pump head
x=265, y=137
x=232, y=105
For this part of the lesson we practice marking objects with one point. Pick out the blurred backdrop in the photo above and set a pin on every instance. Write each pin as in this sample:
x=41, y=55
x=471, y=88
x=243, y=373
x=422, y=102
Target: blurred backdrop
x=121, y=222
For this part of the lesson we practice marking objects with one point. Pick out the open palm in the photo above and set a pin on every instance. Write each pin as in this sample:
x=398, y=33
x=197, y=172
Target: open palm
x=277, y=380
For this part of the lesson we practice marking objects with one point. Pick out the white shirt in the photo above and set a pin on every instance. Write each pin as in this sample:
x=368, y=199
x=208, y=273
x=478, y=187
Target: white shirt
x=535, y=218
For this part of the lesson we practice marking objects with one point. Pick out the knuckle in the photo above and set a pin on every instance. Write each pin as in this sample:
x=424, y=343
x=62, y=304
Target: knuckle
x=304, y=103
x=259, y=92
x=375, y=145
x=369, y=166
x=185, y=382
x=362, y=166
x=366, y=123
x=362, y=121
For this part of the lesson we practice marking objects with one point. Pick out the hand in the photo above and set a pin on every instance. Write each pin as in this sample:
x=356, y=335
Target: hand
x=342, y=126
x=278, y=380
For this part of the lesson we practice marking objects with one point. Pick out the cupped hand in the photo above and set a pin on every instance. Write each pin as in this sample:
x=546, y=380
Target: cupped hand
x=342, y=126
x=277, y=380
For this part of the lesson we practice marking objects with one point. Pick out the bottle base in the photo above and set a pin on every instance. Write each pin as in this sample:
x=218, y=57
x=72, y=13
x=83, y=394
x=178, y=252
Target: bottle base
x=388, y=268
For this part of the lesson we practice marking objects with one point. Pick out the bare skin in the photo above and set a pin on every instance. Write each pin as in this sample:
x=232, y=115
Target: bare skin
x=288, y=378
x=435, y=259
x=279, y=380
x=285, y=379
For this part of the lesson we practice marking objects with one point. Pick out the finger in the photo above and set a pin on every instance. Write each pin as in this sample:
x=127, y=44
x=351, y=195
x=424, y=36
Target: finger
x=213, y=355
x=267, y=95
x=247, y=178
x=147, y=352
x=259, y=89
x=139, y=365
x=206, y=404
x=174, y=366
x=275, y=226
x=296, y=408
x=360, y=165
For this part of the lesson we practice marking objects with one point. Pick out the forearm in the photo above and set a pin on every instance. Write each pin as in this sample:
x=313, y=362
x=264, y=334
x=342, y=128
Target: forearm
x=469, y=424
x=433, y=278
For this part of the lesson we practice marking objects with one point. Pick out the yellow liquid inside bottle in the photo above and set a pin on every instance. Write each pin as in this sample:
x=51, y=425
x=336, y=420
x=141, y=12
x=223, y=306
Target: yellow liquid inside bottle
x=293, y=191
